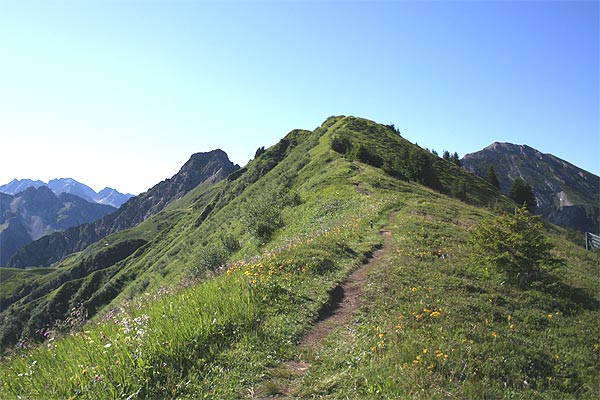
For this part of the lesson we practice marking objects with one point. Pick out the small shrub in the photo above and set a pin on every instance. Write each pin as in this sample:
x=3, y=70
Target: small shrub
x=514, y=244
x=212, y=257
x=341, y=145
x=230, y=242
x=262, y=218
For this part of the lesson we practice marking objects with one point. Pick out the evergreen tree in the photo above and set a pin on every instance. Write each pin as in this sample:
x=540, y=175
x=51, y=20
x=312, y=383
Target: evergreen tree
x=493, y=178
x=446, y=155
x=454, y=158
x=522, y=194
x=515, y=244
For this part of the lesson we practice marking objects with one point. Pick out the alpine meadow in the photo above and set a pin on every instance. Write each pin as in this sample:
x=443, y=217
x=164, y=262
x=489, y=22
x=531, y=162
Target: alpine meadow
x=456, y=291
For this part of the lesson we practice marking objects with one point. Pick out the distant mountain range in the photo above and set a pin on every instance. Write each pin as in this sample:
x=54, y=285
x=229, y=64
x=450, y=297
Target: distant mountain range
x=106, y=196
x=38, y=211
x=201, y=168
x=566, y=195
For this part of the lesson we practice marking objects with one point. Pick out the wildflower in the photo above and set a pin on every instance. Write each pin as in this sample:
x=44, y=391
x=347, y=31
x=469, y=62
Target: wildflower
x=425, y=350
x=596, y=347
x=413, y=289
x=107, y=345
x=494, y=334
x=509, y=318
x=435, y=314
x=549, y=316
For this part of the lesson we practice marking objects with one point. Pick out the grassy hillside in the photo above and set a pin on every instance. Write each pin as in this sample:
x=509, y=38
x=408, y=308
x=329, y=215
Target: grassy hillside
x=215, y=302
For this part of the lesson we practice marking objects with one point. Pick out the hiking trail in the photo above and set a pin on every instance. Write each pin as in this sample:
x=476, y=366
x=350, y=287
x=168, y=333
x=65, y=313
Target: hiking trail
x=344, y=300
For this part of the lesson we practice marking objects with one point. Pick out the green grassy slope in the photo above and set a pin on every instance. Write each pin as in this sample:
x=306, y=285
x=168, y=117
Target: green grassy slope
x=432, y=327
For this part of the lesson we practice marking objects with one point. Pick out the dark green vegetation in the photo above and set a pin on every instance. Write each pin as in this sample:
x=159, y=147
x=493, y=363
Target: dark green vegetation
x=515, y=244
x=207, y=299
x=565, y=194
x=522, y=194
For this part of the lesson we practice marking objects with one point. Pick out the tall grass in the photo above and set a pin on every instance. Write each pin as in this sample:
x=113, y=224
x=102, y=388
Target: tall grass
x=145, y=352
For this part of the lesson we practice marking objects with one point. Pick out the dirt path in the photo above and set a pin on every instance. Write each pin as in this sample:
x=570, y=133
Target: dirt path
x=345, y=299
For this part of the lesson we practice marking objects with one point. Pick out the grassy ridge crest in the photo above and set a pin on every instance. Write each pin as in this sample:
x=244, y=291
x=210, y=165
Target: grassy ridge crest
x=436, y=323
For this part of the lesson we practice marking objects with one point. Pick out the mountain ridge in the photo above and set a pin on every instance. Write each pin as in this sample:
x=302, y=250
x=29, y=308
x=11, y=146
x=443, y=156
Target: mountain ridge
x=210, y=296
x=566, y=194
x=108, y=196
x=209, y=167
x=38, y=211
x=153, y=244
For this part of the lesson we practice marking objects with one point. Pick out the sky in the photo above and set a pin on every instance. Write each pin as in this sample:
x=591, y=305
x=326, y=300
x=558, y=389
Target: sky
x=121, y=93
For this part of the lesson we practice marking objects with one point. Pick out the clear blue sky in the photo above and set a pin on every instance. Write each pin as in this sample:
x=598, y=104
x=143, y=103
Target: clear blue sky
x=120, y=93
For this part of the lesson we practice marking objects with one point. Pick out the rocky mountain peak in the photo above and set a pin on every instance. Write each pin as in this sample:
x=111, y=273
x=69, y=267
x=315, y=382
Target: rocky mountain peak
x=208, y=167
x=566, y=194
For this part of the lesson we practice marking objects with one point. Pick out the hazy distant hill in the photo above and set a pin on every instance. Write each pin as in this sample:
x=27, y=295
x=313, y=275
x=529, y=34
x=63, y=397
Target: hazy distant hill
x=567, y=195
x=106, y=196
x=201, y=168
x=35, y=212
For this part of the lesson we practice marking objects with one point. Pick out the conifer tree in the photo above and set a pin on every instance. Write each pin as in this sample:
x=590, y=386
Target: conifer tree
x=454, y=158
x=522, y=194
x=493, y=178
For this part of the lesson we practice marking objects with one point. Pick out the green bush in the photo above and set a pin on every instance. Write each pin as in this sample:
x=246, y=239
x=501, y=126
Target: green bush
x=211, y=258
x=514, y=244
x=262, y=217
x=341, y=145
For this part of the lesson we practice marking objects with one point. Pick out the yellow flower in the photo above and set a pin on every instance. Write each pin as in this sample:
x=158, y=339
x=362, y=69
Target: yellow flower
x=596, y=347
x=425, y=350
x=494, y=334
x=435, y=314
x=414, y=289
x=509, y=318
x=549, y=316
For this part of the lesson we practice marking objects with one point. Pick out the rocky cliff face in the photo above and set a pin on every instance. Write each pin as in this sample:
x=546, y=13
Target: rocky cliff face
x=566, y=195
x=36, y=212
x=201, y=168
